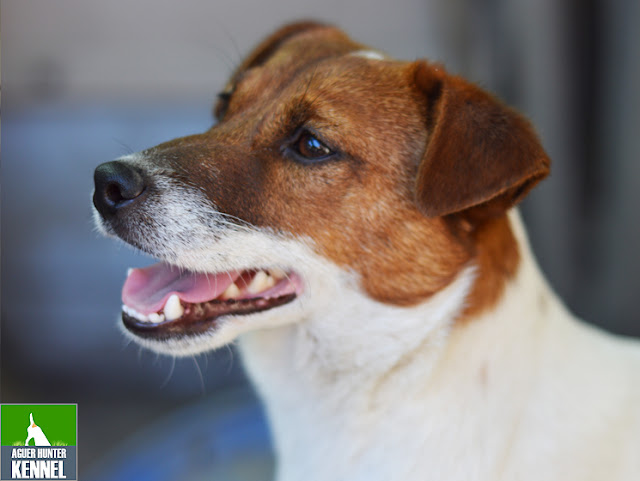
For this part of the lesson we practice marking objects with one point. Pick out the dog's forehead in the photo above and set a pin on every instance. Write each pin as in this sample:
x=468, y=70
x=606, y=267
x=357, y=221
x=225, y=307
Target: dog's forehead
x=329, y=71
x=297, y=48
x=288, y=73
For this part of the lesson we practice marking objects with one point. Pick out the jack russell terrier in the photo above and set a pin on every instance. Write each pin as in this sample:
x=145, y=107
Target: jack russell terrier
x=350, y=221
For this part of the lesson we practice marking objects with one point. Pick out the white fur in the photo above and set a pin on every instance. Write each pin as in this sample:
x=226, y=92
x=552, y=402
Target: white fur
x=369, y=54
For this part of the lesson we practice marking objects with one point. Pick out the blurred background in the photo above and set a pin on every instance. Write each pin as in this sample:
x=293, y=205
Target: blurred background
x=85, y=82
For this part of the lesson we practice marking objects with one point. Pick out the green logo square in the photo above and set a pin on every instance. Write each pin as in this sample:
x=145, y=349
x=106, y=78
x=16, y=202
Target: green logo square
x=39, y=441
x=56, y=421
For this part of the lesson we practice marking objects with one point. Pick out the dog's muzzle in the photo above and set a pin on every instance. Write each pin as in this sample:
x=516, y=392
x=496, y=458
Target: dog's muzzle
x=163, y=300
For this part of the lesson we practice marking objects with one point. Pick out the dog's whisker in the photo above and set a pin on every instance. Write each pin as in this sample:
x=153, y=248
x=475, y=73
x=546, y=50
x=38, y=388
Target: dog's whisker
x=226, y=58
x=171, y=370
x=229, y=349
x=156, y=360
x=126, y=342
x=230, y=277
x=127, y=148
x=235, y=48
x=206, y=361
x=233, y=226
x=199, y=372
x=241, y=222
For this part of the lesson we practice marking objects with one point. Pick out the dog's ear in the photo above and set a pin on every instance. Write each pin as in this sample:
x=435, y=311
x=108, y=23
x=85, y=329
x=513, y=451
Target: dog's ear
x=270, y=44
x=481, y=158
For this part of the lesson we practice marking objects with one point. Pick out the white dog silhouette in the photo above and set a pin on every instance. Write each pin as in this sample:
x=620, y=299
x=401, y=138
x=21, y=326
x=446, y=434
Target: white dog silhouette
x=34, y=432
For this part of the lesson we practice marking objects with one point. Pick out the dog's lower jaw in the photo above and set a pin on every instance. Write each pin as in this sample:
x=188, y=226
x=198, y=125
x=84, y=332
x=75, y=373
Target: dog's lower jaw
x=459, y=403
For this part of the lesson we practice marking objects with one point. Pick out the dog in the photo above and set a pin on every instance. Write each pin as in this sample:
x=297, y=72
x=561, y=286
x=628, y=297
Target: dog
x=351, y=222
x=35, y=432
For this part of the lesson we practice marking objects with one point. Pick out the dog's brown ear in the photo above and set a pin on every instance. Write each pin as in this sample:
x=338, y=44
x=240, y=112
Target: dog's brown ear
x=481, y=158
x=270, y=44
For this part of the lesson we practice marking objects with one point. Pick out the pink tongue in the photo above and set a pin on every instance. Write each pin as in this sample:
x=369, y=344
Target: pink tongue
x=147, y=290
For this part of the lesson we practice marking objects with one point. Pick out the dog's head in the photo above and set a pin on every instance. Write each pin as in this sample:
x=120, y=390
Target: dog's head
x=332, y=168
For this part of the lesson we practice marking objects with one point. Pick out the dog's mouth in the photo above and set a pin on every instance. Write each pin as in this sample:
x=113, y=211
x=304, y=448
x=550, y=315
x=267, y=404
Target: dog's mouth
x=162, y=301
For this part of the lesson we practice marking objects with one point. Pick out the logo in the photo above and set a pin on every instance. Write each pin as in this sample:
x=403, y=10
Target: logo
x=38, y=441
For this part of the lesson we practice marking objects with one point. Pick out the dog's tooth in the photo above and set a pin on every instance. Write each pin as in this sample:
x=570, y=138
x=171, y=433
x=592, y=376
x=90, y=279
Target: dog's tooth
x=260, y=282
x=271, y=281
x=129, y=271
x=256, y=284
x=172, y=308
x=156, y=318
x=231, y=292
x=277, y=273
x=135, y=314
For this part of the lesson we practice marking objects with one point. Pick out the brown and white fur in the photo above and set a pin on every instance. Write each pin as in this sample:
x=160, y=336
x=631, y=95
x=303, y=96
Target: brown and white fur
x=423, y=342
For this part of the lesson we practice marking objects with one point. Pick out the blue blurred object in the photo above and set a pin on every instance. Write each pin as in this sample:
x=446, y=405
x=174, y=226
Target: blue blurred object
x=223, y=437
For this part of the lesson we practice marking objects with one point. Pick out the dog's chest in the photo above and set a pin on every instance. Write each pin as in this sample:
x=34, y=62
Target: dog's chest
x=395, y=427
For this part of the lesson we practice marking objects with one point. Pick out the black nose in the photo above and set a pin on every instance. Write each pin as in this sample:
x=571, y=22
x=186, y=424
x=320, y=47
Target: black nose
x=117, y=185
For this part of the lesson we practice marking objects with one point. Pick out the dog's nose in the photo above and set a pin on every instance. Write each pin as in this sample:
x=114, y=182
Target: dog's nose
x=116, y=184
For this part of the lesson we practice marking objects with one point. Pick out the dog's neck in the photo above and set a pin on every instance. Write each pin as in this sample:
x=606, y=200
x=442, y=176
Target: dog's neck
x=364, y=381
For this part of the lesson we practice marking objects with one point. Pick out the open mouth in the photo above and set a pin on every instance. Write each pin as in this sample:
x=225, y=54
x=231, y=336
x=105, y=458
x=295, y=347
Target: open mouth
x=162, y=301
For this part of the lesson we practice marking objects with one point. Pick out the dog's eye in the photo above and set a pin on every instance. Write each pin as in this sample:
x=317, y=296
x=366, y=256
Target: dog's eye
x=308, y=148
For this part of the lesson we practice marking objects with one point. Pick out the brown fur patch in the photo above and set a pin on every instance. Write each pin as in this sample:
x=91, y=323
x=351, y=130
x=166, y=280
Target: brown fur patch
x=497, y=259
